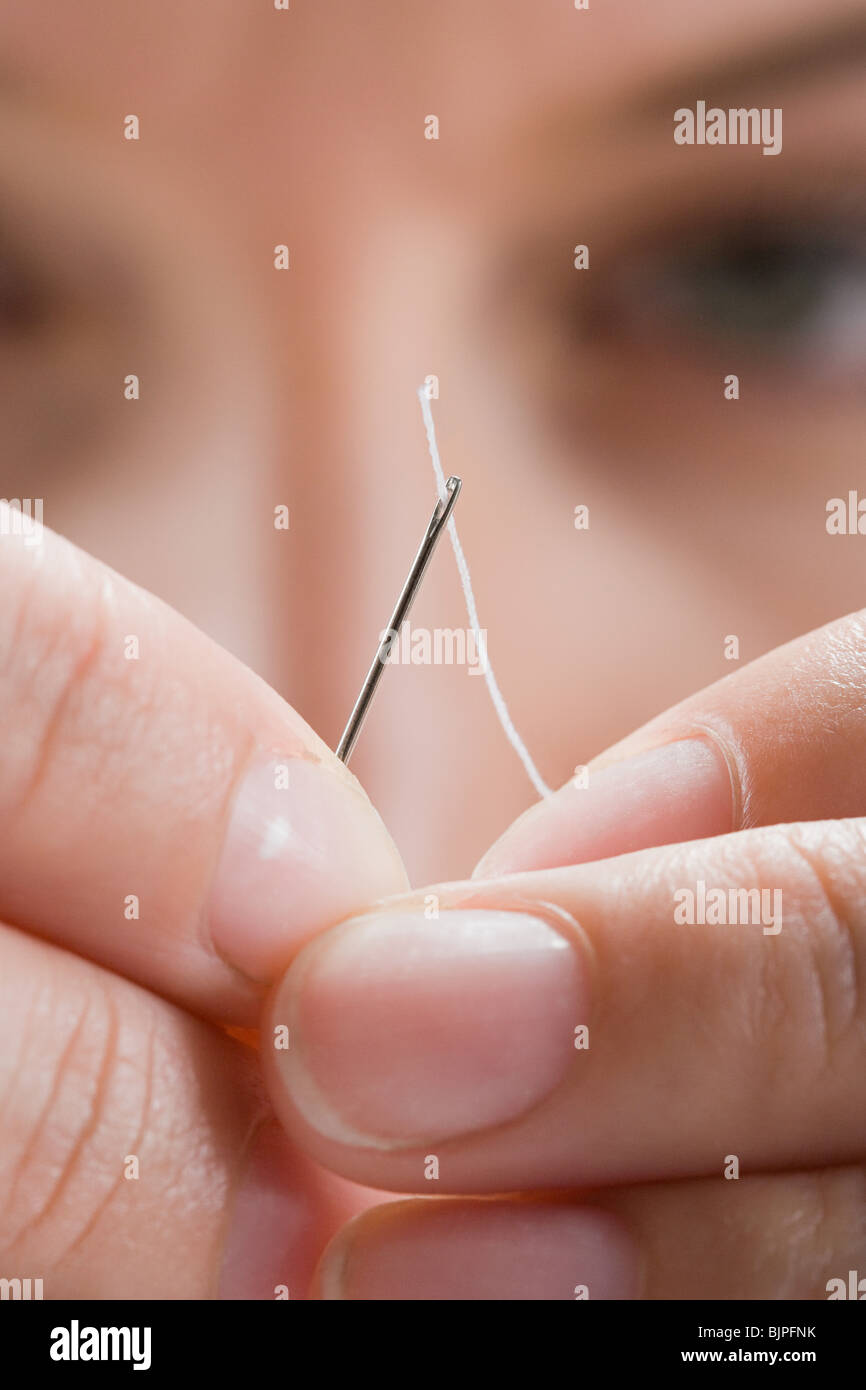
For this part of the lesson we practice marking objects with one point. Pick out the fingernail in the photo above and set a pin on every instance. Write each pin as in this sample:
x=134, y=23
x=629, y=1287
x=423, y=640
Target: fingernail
x=405, y=1030
x=462, y=1251
x=680, y=791
x=304, y=849
x=271, y=1235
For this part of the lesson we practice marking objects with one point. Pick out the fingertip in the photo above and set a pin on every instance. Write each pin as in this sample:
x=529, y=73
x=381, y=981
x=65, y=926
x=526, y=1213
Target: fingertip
x=675, y=792
x=304, y=848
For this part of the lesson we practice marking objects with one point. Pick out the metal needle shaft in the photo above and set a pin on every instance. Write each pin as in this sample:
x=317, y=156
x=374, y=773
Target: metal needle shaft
x=413, y=581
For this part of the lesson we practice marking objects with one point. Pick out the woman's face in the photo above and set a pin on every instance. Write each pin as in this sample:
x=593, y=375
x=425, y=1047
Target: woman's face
x=412, y=257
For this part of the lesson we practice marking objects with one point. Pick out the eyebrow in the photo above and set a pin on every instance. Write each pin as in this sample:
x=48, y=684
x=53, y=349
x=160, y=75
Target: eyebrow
x=815, y=53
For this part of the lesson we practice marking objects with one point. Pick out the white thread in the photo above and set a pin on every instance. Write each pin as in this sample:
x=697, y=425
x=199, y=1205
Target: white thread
x=463, y=570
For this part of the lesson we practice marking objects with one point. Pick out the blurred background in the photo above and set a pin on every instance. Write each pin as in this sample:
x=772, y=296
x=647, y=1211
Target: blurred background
x=410, y=257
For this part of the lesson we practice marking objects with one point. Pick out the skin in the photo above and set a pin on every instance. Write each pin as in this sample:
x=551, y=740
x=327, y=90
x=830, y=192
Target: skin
x=261, y=388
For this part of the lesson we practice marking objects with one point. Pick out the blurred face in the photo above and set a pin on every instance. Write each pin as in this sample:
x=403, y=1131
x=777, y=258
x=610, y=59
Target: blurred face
x=605, y=385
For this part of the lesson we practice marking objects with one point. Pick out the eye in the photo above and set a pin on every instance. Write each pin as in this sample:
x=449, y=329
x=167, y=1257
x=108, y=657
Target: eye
x=60, y=339
x=790, y=296
x=759, y=290
x=23, y=304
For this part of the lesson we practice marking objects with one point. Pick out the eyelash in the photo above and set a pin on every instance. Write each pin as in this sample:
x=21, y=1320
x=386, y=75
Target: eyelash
x=759, y=288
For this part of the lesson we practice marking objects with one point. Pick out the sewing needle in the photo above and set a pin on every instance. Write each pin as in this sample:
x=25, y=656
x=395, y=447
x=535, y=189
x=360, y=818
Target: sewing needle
x=438, y=521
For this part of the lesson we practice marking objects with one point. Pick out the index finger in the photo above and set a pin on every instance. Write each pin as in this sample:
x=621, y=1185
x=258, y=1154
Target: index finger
x=781, y=740
x=162, y=811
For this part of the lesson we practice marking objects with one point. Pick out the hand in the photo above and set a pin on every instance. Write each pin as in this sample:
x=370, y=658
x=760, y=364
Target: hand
x=170, y=831
x=709, y=1140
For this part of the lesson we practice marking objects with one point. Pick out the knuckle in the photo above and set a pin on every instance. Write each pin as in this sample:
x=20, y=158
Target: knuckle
x=72, y=1108
x=59, y=670
x=826, y=926
x=841, y=1228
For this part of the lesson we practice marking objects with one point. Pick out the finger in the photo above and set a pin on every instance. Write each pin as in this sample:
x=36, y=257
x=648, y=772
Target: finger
x=137, y=1158
x=781, y=740
x=517, y=1050
x=161, y=810
x=792, y=1237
